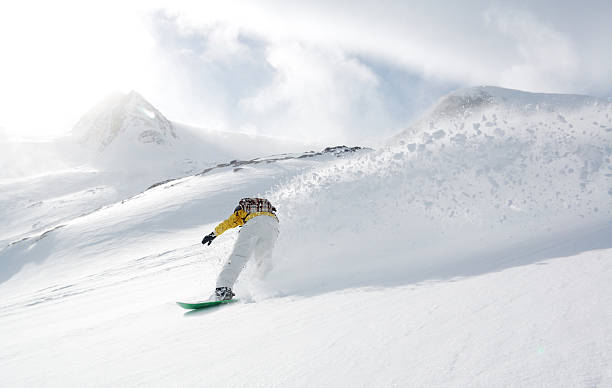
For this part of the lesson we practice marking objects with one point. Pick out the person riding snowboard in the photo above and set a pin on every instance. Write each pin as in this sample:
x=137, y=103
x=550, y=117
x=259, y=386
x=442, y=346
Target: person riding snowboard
x=257, y=237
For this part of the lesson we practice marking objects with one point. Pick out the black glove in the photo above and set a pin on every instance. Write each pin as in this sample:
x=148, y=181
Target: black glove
x=209, y=238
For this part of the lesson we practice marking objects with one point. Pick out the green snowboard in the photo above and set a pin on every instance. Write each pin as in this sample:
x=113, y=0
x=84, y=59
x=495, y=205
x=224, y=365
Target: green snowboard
x=203, y=305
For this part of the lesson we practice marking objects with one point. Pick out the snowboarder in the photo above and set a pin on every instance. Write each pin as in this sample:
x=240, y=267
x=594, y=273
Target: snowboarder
x=259, y=223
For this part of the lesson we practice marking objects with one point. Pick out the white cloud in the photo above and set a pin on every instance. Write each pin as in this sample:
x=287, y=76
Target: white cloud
x=545, y=58
x=315, y=94
x=224, y=45
x=321, y=88
x=339, y=69
x=542, y=45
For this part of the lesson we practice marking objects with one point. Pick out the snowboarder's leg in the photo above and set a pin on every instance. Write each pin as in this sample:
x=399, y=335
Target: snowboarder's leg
x=265, y=244
x=257, y=237
x=243, y=250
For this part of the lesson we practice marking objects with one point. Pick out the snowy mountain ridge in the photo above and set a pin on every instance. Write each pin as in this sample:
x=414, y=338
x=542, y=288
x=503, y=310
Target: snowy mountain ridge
x=237, y=165
x=480, y=97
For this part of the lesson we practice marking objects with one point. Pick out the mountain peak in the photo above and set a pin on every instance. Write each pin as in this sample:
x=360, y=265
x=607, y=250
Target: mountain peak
x=128, y=116
x=481, y=97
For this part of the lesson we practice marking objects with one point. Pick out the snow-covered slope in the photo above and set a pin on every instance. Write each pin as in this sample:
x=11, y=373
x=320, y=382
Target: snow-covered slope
x=166, y=207
x=20, y=158
x=122, y=146
x=487, y=171
x=36, y=204
x=539, y=325
x=473, y=250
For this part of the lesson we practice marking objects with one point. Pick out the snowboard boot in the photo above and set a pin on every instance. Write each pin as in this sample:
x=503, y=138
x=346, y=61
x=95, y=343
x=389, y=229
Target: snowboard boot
x=223, y=293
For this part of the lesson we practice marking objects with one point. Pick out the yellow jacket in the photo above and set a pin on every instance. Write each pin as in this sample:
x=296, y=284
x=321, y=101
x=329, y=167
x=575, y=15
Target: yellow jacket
x=239, y=218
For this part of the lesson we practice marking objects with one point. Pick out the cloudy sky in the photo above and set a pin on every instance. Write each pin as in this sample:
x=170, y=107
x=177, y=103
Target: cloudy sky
x=342, y=71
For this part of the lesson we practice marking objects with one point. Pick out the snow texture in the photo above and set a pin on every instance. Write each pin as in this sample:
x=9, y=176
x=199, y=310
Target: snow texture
x=472, y=250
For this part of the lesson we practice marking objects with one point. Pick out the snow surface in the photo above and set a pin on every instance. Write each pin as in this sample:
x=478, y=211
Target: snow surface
x=473, y=250
x=109, y=157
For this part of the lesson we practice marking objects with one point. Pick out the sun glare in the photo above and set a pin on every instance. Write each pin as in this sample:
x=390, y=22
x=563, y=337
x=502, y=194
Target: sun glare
x=55, y=65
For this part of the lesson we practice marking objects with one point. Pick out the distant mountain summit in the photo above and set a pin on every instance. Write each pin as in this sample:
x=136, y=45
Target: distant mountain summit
x=126, y=135
x=126, y=116
x=483, y=97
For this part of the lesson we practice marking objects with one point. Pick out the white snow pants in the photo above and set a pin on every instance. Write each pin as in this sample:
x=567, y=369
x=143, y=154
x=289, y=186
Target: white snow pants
x=255, y=239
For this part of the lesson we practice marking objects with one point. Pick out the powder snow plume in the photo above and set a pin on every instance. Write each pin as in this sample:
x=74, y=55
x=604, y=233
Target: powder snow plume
x=486, y=170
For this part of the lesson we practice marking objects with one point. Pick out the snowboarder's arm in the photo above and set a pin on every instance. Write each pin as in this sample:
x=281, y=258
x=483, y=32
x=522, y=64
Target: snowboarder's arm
x=236, y=219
